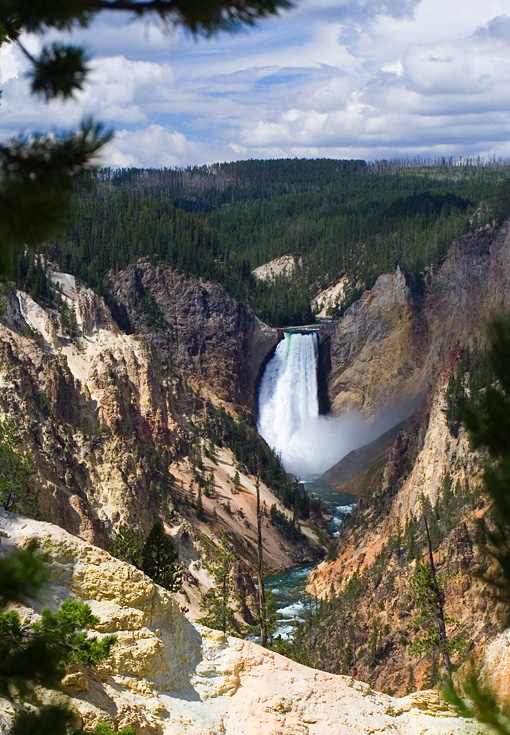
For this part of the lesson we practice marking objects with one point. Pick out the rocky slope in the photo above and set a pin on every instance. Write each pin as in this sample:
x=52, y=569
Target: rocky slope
x=217, y=344
x=330, y=300
x=391, y=344
x=402, y=339
x=110, y=417
x=431, y=472
x=167, y=675
x=282, y=267
x=360, y=470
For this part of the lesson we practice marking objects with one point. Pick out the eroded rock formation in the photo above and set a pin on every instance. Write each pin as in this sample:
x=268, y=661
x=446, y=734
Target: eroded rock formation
x=110, y=418
x=217, y=344
x=400, y=342
x=391, y=344
x=169, y=676
x=380, y=544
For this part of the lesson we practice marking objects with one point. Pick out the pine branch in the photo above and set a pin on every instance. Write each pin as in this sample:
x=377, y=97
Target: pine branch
x=38, y=178
x=59, y=71
x=202, y=17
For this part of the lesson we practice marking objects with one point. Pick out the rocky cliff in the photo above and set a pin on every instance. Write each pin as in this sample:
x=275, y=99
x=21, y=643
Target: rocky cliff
x=392, y=343
x=217, y=344
x=401, y=341
x=110, y=417
x=378, y=349
x=168, y=675
x=429, y=472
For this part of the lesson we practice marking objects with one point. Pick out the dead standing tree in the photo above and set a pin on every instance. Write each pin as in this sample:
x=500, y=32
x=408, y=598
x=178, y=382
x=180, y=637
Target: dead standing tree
x=260, y=580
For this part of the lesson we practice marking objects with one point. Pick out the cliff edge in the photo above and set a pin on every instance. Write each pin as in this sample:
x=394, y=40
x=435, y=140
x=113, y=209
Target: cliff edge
x=169, y=675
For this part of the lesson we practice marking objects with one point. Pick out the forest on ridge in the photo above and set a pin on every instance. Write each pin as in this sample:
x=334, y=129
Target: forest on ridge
x=338, y=218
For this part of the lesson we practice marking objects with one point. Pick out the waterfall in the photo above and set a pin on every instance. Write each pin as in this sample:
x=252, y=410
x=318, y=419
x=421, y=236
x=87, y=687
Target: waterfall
x=288, y=394
x=289, y=417
x=289, y=420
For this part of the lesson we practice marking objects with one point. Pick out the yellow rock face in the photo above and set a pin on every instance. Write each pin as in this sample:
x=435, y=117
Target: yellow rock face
x=497, y=665
x=377, y=351
x=168, y=676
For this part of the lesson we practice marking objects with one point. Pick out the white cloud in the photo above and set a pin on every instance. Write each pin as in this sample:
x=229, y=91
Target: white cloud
x=10, y=65
x=155, y=145
x=354, y=78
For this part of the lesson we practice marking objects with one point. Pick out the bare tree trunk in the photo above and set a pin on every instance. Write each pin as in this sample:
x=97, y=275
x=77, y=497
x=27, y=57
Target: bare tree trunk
x=440, y=600
x=224, y=603
x=262, y=594
x=7, y=503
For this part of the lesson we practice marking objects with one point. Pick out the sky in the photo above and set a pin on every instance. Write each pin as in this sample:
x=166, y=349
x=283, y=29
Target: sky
x=371, y=79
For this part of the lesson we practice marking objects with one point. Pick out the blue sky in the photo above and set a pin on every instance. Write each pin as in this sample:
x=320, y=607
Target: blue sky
x=345, y=79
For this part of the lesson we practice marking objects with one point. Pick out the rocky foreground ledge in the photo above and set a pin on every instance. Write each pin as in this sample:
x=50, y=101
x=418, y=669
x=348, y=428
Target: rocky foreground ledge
x=168, y=675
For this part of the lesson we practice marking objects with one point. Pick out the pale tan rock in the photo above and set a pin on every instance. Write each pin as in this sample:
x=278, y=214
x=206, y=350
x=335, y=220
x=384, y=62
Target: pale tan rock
x=75, y=681
x=394, y=340
x=282, y=267
x=496, y=666
x=168, y=676
x=330, y=298
x=378, y=350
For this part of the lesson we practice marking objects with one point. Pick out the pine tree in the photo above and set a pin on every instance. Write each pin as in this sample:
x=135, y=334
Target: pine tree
x=411, y=681
x=260, y=578
x=209, y=485
x=16, y=468
x=217, y=603
x=160, y=559
x=127, y=546
x=200, y=504
x=236, y=483
x=488, y=422
x=211, y=452
x=272, y=615
x=430, y=623
x=196, y=461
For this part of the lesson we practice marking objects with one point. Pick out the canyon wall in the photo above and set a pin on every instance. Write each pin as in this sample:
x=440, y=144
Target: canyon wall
x=390, y=345
x=110, y=416
x=433, y=473
x=217, y=344
x=402, y=341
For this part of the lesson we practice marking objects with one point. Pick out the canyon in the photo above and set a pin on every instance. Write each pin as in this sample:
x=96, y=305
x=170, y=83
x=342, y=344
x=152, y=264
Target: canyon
x=111, y=410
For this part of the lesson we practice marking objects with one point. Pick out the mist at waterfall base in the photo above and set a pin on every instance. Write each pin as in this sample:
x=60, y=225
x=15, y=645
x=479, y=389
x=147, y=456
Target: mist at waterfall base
x=308, y=445
x=289, y=420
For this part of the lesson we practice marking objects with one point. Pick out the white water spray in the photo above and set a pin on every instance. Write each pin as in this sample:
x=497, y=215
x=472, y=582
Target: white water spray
x=288, y=392
x=289, y=417
x=289, y=420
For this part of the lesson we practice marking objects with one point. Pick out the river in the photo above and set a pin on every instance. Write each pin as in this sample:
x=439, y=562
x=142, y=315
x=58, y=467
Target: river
x=289, y=586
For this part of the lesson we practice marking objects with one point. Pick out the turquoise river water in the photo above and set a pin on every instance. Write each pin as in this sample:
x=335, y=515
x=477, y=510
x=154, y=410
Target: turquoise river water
x=289, y=586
